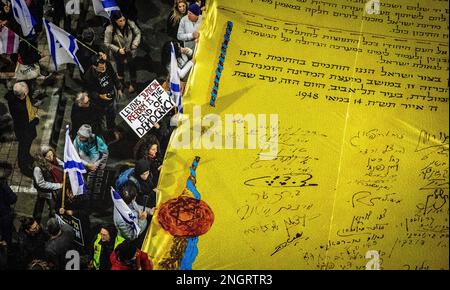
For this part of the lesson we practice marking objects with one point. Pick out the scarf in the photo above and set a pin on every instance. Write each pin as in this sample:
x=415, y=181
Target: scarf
x=32, y=111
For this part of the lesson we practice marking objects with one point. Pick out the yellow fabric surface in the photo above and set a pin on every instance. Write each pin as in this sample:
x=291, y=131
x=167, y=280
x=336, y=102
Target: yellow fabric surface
x=362, y=104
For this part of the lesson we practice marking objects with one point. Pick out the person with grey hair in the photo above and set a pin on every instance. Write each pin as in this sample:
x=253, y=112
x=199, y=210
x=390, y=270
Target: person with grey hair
x=25, y=120
x=83, y=112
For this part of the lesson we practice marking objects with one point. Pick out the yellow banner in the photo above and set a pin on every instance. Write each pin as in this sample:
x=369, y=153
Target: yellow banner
x=327, y=145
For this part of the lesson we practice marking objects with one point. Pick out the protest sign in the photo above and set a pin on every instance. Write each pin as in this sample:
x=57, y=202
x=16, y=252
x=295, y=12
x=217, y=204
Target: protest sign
x=150, y=106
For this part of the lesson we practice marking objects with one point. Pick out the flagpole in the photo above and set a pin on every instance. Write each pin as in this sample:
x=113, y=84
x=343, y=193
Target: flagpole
x=65, y=174
x=86, y=46
x=35, y=48
x=63, y=190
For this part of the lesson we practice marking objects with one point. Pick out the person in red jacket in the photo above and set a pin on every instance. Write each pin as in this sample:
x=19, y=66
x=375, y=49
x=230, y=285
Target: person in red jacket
x=127, y=256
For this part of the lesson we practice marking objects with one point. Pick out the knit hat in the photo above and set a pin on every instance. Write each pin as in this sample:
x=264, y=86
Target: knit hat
x=195, y=9
x=85, y=131
x=141, y=167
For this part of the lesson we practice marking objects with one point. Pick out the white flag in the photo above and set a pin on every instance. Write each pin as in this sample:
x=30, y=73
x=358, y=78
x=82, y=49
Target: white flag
x=62, y=45
x=125, y=212
x=23, y=17
x=9, y=41
x=175, y=87
x=104, y=7
x=73, y=166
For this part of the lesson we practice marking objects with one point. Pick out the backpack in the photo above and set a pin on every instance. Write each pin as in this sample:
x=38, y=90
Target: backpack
x=124, y=177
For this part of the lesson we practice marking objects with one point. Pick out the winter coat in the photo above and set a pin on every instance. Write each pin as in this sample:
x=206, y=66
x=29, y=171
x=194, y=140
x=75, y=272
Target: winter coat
x=24, y=128
x=94, y=151
x=129, y=40
x=186, y=29
x=44, y=182
x=7, y=198
x=122, y=226
x=142, y=262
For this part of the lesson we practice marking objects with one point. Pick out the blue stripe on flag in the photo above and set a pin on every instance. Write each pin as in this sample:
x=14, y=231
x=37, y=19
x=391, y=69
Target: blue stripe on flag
x=109, y=3
x=52, y=43
x=175, y=87
x=73, y=164
x=72, y=48
x=116, y=195
x=81, y=181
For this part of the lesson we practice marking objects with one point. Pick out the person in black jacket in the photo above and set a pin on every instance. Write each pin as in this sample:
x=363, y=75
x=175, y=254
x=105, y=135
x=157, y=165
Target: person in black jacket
x=61, y=241
x=7, y=198
x=32, y=239
x=104, y=87
x=148, y=148
x=83, y=112
x=25, y=121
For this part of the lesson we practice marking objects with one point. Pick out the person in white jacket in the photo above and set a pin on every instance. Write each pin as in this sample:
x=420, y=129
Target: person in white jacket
x=184, y=55
x=189, y=24
x=128, y=194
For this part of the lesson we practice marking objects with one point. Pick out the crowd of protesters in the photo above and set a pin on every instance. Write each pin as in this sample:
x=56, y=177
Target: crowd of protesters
x=93, y=128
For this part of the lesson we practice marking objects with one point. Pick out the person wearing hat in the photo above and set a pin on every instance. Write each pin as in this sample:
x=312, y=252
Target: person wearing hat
x=146, y=189
x=91, y=148
x=141, y=178
x=48, y=176
x=189, y=24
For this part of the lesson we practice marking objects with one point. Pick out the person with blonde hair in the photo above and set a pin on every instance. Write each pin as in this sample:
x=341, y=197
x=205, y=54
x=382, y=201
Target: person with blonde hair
x=173, y=21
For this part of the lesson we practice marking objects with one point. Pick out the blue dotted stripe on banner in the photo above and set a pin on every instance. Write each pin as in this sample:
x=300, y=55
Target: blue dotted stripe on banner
x=215, y=89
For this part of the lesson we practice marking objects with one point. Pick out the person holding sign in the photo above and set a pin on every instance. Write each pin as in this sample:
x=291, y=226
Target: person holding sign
x=77, y=206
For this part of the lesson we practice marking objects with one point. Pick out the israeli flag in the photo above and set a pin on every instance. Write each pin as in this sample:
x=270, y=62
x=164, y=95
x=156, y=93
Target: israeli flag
x=104, y=7
x=125, y=212
x=62, y=45
x=175, y=87
x=73, y=166
x=23, y=16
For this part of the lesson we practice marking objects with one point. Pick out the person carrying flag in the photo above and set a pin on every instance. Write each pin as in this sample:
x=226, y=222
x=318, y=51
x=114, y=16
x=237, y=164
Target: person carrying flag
x=129, y=218
x=23, y=20
x=122, y=38
x=47, y=179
